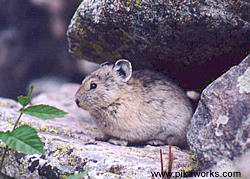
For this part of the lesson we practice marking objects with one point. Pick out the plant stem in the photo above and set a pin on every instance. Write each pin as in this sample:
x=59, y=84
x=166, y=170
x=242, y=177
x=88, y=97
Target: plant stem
x=162, y=170
x=6, y=148
x=170, y=160
x=19, y=117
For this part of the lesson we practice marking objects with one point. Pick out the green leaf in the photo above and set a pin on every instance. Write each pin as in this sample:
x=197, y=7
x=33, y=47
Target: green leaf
x=25, y=100
x=78, y=176
x=23, y=139
x=44, y=111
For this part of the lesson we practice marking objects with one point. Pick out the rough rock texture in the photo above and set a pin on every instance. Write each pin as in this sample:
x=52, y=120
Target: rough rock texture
x=170, y=36
x=220, y=126
x=238, y=168
x=70, y=145
x=33, y=43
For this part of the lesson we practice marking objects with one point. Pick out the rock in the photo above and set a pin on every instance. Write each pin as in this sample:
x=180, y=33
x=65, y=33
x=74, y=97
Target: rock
x=174, y=37
x=220, y=127
x=46, y=85
x=70, y=146
x=86, y=67
x=237, y=168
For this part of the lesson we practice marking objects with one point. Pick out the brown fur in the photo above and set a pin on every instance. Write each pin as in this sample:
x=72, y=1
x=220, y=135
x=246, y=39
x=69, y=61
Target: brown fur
x=144, y=107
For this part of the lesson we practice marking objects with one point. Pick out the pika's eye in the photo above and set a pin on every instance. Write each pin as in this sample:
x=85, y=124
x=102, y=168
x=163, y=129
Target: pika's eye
x=93, y=86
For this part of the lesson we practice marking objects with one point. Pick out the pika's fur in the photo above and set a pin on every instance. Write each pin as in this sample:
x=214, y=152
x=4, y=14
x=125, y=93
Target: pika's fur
x=138, y=107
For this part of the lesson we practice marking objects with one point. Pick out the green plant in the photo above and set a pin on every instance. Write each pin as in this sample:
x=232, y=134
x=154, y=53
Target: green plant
x=24, y=139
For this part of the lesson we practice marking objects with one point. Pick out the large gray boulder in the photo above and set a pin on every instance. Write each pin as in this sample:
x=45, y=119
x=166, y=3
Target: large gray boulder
x=174, y=37
x=220, y=127
x=70, y=146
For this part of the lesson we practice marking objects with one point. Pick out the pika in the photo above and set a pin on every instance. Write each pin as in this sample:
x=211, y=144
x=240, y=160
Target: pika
x=135, y=107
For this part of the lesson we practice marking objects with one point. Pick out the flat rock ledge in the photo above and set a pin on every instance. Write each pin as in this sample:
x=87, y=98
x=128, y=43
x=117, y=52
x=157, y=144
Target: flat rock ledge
x=70, y=146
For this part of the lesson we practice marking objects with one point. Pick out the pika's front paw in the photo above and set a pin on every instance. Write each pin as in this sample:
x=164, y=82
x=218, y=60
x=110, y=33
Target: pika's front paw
x=155, y=142
x=118, y=142
x=112, y=141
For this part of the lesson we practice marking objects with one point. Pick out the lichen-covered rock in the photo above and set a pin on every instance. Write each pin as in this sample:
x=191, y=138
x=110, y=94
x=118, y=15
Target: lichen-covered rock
x=70, y=146
x=220, y=126
x=162, y=35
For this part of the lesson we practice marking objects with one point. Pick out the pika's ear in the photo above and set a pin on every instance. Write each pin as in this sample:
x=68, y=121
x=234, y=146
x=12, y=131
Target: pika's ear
x=123, y=69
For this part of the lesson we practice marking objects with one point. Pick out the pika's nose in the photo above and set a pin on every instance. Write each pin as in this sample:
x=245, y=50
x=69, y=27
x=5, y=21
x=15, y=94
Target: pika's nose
x=77, y=102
